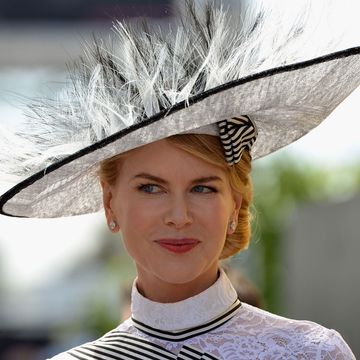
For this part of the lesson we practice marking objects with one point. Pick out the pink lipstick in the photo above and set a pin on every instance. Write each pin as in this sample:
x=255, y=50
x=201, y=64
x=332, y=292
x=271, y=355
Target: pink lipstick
x=178, y=246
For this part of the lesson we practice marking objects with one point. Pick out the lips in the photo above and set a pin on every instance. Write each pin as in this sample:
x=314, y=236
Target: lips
x=178, y=246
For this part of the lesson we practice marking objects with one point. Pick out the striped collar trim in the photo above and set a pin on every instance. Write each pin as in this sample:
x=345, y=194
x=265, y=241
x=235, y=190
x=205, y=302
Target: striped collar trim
x=191, y=332
x=199, y=309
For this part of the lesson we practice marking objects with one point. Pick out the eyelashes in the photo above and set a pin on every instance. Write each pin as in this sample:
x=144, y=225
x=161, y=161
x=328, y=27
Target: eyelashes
x=149, y=188
x=202, y=189
x=157, y=189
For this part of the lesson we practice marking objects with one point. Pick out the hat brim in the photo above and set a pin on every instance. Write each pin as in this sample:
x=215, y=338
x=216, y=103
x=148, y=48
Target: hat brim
x=285, y=103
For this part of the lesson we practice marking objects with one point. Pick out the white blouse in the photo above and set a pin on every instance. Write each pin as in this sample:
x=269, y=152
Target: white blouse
x=211, y=325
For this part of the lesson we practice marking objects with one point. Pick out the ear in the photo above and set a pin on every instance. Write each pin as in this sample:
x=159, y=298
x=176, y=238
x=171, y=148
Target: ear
x=107, y=199
x=237, y=203
x=233, y=221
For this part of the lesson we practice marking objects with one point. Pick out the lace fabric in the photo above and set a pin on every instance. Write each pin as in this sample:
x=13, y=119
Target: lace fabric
x=199, y=309
x=251, y=333
x=259, y=335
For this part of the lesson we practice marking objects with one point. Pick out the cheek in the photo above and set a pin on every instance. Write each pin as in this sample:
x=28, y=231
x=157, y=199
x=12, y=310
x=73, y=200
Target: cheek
x=214, y=220
x=217, y=214
x=135, y=219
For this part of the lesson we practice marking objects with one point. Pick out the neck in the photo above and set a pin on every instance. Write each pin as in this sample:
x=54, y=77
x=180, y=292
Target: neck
x=162, y=291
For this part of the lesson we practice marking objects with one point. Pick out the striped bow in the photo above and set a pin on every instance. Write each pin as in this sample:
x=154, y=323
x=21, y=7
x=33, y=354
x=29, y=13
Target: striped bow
x=237, y=134
x=118, y=345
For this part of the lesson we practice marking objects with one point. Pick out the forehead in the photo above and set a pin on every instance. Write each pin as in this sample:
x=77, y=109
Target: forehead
x=163, y=158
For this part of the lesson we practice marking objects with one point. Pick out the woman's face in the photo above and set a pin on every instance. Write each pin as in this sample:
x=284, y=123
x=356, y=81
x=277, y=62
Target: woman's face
x=174, y=211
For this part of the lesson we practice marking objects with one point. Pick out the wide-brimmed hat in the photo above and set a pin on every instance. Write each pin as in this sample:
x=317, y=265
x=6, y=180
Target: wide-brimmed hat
x=144, y=86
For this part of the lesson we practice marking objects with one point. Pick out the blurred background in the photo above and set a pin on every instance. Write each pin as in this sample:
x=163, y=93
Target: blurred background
x=67, y=281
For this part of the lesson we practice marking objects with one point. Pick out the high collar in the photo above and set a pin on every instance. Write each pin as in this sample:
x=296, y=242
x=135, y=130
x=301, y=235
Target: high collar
x=188, y=313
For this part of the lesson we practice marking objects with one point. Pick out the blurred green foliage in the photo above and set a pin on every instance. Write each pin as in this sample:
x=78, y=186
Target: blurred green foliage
x=120, y=271
x=281, y=184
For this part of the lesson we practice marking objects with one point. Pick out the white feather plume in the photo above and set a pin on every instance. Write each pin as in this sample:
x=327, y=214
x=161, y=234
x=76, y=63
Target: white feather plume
x=140, y=71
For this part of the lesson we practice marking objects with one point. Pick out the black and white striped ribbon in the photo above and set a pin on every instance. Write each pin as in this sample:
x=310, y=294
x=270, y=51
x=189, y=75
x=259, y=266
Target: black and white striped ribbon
x=118, y=345
x=237, y=134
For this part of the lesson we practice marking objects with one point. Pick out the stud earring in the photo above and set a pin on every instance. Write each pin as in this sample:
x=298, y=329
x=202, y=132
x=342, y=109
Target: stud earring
x=232, y=225
x=112, y=225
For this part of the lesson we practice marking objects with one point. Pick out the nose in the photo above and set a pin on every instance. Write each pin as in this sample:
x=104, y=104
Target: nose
x=178, y=214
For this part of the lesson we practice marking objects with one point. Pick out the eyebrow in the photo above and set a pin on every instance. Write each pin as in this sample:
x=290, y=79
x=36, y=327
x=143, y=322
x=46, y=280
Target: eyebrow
x=159, y=180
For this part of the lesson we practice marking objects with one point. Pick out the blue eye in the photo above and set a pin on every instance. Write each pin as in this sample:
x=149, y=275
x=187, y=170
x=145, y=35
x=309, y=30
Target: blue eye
x=149, y=188
x=203, y=189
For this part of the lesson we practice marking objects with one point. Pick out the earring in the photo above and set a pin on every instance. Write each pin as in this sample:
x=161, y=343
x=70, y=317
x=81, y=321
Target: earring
x=112, y=224
x=232, y=225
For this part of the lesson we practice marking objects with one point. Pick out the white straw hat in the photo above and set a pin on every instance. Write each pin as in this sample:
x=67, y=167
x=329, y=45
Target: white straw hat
x=145, y=87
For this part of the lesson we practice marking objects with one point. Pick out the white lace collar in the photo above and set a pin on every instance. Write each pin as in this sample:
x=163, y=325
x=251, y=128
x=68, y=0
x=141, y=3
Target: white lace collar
x=188, y=313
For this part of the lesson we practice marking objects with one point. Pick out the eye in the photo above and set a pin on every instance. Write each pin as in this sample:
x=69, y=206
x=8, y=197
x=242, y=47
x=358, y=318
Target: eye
x=202, y=189
x=149, y=188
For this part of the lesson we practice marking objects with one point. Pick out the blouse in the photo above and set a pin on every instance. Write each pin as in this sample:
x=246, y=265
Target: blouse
x=211, y=325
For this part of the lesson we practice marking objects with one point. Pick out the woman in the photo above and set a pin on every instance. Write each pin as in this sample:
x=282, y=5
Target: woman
x=170, y=126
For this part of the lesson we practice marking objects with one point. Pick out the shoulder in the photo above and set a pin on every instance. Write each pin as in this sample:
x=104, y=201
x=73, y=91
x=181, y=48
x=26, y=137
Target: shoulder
x=62, y=356
x=291, y=337
x=67, y=355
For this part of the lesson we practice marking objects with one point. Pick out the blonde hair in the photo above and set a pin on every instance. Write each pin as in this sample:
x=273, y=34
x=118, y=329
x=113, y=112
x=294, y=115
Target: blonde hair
x=209, y=149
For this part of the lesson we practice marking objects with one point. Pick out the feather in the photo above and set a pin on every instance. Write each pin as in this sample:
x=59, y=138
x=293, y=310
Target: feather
x=139, y=72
